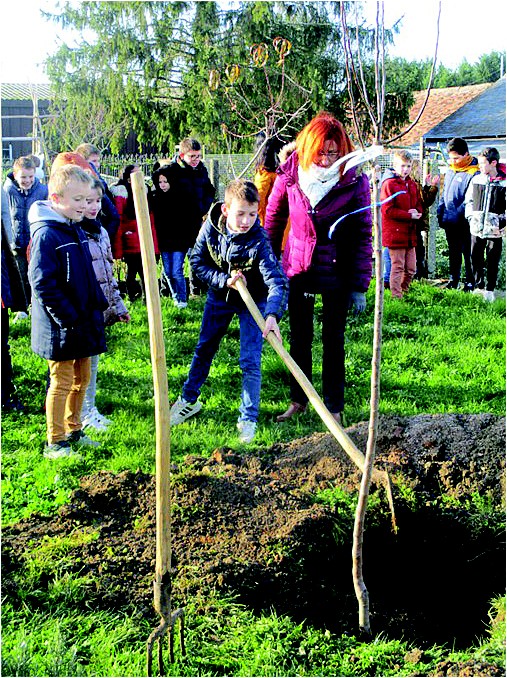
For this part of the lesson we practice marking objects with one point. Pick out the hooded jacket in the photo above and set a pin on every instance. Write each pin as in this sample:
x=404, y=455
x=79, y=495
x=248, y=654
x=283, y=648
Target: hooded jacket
x=345, y=261
x=20, y=202
x=173, y=235
x=126, y=239
x=218, y=251
x=399, y=230
x=102, y=260
x=67, y=302
x=485, y=205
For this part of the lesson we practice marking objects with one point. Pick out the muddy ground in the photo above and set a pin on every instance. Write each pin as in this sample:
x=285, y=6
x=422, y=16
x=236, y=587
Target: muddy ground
x=247, y=525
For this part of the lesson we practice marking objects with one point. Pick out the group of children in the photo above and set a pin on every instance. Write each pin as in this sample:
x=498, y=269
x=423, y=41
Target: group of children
x=181, y=196
x=74, y=294
x=471, y=210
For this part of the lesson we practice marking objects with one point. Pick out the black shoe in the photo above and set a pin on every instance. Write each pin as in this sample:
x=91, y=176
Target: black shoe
x=451, y=285
x=80, y=438
x=468, y=287
x=13, y=404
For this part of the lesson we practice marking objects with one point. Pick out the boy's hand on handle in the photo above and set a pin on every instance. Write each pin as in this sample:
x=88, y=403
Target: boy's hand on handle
x=415, y=214
x=272, y=326
x=235, y=276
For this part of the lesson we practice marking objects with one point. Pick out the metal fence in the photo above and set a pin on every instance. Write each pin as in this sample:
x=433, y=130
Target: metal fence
x=222, y=169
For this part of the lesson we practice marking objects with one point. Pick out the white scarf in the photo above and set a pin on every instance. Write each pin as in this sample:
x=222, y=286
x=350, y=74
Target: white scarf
x=316, y=182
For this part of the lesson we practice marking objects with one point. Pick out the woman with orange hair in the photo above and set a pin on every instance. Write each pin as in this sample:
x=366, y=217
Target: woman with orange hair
x=314, y=191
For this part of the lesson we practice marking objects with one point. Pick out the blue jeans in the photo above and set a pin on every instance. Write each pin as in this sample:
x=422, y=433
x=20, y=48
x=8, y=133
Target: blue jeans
x=386, y=258
x=173, y=269
x=216, y=319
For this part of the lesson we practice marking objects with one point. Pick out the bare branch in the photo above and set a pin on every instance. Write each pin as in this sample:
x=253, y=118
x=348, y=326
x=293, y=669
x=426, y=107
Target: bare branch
x=430, y=83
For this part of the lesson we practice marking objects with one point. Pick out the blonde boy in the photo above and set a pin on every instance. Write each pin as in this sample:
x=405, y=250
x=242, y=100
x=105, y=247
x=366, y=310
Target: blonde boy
x=232, y=245
x=67, y=305
x=23, y=189
x=399, y=217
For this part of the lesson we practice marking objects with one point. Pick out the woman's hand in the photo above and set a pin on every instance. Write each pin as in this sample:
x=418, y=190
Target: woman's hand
x=357, y=301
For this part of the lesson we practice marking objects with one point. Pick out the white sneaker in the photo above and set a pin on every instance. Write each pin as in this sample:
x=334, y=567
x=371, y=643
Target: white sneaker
x=478, y=292
x=489, y=296
x=182, y=410
x=92, y=421
x=101, y=417
x=180, y=304
x=20, y=315
x=246, y=431
x=59, y=450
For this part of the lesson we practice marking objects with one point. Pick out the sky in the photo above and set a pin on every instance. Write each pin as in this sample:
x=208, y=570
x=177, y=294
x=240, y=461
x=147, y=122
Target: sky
x=467, y=30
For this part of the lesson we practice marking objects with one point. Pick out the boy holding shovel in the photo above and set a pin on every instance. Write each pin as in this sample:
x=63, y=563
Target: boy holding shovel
x=232, y=246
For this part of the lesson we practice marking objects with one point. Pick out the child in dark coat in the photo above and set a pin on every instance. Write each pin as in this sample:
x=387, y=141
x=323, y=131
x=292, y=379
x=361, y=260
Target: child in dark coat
x=232, y=245
x=67, y=305
x=192, y=195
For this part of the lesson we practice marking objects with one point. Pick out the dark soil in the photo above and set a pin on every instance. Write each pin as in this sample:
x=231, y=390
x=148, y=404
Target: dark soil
x=248, y=525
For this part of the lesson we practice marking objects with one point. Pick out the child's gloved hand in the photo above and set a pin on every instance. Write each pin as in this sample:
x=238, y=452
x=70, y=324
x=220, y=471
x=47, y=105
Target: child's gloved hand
x=357, y=301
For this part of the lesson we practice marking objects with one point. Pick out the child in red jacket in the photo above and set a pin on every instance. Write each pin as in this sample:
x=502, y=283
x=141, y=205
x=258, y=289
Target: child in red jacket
x=399, y=216
x=126, y=244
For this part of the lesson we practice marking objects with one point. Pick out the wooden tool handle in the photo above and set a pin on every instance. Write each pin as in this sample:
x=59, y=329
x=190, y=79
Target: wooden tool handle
x=338, y=432
x=159, y=368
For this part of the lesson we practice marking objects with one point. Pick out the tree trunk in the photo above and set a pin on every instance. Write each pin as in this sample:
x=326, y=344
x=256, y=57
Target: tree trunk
x=362, y=502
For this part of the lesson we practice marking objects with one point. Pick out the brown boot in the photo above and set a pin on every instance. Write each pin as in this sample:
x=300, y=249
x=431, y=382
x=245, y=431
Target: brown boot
x=294, y=408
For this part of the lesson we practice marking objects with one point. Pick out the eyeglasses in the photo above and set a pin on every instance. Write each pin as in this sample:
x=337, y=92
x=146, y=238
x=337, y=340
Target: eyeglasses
x=332, y=154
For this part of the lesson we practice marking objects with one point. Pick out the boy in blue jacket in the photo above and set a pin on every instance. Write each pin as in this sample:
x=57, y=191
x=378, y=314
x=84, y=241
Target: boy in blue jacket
x=232, y=245
x=23, y=188
x=67, y=305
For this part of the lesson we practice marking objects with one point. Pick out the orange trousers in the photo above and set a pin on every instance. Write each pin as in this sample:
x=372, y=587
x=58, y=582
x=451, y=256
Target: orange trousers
x=65, y=396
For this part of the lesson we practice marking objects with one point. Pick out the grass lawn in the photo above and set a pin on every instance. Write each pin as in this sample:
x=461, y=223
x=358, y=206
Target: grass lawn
x=443, y=351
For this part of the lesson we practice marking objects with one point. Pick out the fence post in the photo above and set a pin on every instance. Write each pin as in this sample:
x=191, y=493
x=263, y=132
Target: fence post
x=214, y=175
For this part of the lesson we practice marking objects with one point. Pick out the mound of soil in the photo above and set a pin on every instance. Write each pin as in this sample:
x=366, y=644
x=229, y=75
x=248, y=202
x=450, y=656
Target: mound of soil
x=248, y=525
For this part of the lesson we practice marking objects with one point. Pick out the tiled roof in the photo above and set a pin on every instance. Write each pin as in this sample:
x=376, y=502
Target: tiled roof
x=441, y=103
x=481, y=118
x=23, y=90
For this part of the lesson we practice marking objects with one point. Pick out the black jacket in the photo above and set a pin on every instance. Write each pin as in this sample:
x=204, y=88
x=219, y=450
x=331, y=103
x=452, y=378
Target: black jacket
x=192, y=194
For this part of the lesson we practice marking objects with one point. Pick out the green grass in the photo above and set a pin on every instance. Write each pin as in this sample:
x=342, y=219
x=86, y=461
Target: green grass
x=443, y=351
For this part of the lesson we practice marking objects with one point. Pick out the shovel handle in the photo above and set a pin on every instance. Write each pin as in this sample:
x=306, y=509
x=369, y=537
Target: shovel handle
x=334, y=427
x=159, y=369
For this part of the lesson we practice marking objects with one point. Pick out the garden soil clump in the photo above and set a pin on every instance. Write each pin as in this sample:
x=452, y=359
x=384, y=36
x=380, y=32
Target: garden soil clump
x=249, y=525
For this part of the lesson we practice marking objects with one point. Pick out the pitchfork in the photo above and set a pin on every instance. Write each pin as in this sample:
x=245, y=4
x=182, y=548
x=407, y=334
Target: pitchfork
x=162, y=584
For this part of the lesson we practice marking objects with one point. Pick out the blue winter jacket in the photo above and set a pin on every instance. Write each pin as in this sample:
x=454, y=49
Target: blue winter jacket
x=217, y=252
x=20, y=202
x=451, y=207
x=67, y=302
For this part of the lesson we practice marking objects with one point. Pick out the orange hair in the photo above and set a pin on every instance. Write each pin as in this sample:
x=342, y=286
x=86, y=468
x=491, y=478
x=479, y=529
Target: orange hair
x=70, y=158
x=324, y=127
